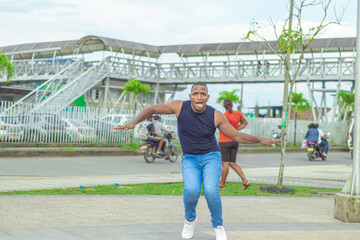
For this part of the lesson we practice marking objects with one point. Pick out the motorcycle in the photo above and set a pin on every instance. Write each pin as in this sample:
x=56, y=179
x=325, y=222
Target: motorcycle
x=276, y=136
x=314, y=151
x=172, y=153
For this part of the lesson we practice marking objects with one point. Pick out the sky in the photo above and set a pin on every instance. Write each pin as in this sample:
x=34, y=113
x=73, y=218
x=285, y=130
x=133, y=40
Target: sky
x=164, y=22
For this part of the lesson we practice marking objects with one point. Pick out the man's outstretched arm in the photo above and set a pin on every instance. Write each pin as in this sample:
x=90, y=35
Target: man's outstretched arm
x=172, y=107
x=224, y=126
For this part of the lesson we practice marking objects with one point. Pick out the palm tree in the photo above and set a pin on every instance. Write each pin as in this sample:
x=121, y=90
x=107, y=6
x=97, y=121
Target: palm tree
x=300, y=104
x=229, y=95
x=8, y=66
x=347, y=102
x=136, y=87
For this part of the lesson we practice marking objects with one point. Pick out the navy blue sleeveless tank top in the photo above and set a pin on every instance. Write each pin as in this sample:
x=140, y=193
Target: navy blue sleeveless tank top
x=197, y=130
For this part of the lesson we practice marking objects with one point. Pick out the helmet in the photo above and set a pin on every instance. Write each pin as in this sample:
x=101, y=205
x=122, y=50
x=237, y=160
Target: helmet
x=156, y=117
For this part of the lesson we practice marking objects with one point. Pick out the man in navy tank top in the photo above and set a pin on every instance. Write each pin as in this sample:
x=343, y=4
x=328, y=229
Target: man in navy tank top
x=201, y=161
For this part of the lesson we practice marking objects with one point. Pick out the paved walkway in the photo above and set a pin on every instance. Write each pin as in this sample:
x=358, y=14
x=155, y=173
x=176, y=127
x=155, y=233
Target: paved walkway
x=161, y=217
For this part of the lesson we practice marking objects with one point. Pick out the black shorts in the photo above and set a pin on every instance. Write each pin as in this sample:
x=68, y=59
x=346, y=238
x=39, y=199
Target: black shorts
x=228, y=151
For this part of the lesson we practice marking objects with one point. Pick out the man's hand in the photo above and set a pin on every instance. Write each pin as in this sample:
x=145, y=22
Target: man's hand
x=127, y=126
x=270, y=142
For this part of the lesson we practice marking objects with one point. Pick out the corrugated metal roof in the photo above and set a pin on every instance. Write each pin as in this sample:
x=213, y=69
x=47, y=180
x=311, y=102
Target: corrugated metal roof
x=87, y=44
x=326, y=44
x=92, y=43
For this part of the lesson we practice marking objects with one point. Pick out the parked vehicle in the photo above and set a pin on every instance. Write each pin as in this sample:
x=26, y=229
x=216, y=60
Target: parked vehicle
x=10, y=129
x=172, y=154
x=79, y=131
x=119, y=119
x=43, y=128
x=104, y=130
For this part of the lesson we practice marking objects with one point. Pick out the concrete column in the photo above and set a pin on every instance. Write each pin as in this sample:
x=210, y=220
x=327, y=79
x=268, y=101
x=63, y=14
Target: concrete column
x=106, y=90
x=347, y=208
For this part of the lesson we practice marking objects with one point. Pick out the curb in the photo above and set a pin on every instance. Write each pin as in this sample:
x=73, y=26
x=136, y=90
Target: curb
x=112, y=151
x=56, y=152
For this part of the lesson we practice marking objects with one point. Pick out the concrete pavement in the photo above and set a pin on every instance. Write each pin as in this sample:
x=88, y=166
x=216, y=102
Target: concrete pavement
x=161, y=217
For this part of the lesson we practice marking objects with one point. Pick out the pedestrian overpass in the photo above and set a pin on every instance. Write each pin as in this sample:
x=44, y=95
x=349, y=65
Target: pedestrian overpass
x=65, y=72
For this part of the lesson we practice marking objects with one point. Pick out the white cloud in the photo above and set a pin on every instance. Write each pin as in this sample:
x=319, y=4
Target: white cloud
x=156, y=22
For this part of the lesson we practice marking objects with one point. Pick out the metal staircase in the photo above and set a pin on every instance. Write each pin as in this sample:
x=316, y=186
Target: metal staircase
x=73, y=89
x=44, y=91
x=62, y=89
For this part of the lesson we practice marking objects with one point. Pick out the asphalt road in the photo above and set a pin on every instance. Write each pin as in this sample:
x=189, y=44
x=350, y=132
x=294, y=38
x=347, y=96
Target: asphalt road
x=127, y=165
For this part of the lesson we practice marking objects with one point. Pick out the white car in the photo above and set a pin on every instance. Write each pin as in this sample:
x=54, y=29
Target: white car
x=10, y=129
x=117, y=118
x=79, y=131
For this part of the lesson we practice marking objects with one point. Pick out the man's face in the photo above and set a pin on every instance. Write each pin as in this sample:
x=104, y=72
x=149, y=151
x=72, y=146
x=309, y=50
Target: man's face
x=199, y=97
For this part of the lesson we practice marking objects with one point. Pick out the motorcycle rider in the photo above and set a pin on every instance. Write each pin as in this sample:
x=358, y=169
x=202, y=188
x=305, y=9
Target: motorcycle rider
x=324, y=143
x=159, y=128
x=154, y=137
x=322, y=140
x=312, y=134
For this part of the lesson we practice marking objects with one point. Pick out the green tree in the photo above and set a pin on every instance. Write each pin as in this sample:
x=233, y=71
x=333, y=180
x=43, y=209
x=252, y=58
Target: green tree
x=229, y=95
x=300, y=104
x=7, y=67
x=135, y=87
x=293, y=40
x=346, y=102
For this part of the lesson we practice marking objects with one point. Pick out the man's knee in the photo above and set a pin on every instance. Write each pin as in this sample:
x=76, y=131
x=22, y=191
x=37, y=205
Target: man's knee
x=211, y=193
x=191, y=194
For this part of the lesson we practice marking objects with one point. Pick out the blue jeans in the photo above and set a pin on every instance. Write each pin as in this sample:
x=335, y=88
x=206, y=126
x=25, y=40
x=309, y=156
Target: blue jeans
x=325, y=144
x=205, y=169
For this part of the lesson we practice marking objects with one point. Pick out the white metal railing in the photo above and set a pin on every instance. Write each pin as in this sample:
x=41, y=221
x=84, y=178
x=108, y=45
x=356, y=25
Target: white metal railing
x=82, y=125
x=40, y=68
x=269, y=70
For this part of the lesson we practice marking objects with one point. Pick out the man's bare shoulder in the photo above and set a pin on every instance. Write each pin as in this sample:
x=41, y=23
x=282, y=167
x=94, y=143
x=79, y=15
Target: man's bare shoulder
x=176, y=102
x=175, y=106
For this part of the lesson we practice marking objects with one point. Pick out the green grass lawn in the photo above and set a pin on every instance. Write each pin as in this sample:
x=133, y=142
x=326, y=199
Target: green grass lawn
x=68, y=148
x=232, y=189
